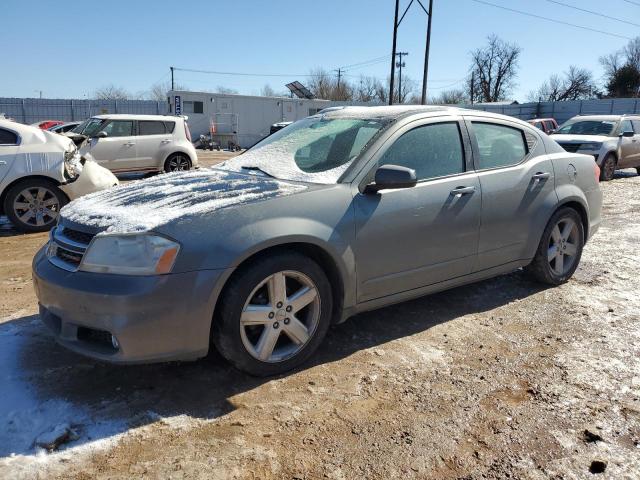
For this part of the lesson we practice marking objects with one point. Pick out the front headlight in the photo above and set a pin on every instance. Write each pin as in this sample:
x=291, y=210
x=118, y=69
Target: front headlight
x=141, y=254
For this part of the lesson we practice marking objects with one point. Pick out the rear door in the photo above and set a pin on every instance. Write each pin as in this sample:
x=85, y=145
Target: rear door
x=117, y=151
x=419, y=236
x=9, y=144
x=518, y=190
x=154, y=136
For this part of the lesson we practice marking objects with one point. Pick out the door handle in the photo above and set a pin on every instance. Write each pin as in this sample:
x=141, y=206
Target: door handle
x=541, y=176
x=463, y=190
x=165, y=141
x=2, y=162
x=129, y=144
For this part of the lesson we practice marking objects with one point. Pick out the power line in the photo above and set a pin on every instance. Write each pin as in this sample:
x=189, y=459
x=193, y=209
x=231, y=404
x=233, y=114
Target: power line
x=540, y=17
x=373, y=60
x=593, y=13
x=632, y=3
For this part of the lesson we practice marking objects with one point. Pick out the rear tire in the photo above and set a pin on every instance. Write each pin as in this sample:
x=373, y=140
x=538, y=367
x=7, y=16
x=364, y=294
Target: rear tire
x=560, y=248
x=608, y=169
x=638, y=170
x=33, y=205
x=261, y=330
x=177, y=162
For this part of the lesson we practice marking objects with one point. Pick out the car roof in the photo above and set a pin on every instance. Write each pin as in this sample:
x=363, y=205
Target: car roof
x=610, y=118
x=549, y=119
x=395, y=112
x=131, y=116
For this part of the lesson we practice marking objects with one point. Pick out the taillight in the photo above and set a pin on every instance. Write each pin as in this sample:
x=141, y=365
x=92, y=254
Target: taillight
x=186, y=131
x=596, y=171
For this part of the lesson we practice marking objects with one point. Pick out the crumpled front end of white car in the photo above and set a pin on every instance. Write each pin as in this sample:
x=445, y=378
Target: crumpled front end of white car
x=84, y=175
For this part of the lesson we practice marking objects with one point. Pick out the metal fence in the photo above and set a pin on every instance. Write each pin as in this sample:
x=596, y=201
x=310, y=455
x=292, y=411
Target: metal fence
x=32, y=110
x=563, y=111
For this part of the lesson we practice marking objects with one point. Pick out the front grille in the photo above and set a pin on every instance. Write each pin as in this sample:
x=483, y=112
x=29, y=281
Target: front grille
x=74, y=258
x=77, y=235
x=571, y=147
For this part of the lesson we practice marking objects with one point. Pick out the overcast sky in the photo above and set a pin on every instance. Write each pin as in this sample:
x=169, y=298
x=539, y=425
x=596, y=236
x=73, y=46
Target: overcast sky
x=68, y=49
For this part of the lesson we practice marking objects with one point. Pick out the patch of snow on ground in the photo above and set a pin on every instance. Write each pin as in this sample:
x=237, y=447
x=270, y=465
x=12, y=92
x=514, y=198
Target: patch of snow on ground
x=24, y=417
x=145, y=204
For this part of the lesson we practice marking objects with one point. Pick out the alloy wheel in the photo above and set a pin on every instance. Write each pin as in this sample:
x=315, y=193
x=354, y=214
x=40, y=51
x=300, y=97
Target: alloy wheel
x=36, y=206
x=280, y=316
x=563, y=246
x=178, y=163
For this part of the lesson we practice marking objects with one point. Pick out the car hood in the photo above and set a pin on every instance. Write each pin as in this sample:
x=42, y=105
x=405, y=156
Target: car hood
x=144, y=205
x=580, y=138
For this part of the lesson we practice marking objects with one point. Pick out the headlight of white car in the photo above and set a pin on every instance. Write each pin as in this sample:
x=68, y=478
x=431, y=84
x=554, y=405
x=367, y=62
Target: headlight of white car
x=72, y=162
x=143, y=254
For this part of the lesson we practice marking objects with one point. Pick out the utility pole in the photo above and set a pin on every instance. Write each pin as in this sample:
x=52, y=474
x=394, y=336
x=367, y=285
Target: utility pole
x=393, y=53
x=426, y=53
x=399, y=65
x=172, y=84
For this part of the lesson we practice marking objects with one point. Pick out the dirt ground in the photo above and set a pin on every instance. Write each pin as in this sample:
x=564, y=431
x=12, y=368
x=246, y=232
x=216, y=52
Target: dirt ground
x=500, y=379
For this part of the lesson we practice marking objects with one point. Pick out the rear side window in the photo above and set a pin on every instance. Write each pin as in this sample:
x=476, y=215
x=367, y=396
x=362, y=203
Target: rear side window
x=146, y=127
x=636, y=126
x=119, y=128
x=499, y=145
x=7, y=137
x=170, y=126
x=431, y=150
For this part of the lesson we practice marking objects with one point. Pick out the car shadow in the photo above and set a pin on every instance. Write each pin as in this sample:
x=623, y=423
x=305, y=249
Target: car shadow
x=48, y=385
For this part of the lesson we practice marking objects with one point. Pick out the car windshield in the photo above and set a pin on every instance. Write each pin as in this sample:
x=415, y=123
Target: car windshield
x=587, y=127
x=316, y=149
x=89, y=127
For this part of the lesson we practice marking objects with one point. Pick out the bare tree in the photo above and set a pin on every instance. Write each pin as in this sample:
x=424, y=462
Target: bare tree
x=326, y=86
x=622, y=70
x=407, y=93
x=227, y=90
x=111, y=92
x=365, y=89
x=576, y=84
x=267, y=91
x=159, y=91
x=494, y=69
x=454, y=96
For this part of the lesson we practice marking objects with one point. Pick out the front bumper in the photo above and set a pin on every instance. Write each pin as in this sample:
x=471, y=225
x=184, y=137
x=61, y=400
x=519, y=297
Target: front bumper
x=93, y=178
x=156, y=318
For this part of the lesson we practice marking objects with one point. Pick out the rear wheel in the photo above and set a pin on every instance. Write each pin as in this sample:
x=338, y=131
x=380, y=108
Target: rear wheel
x=274, y=314
x=177, y=162
x=608, y=167
x=33, y=205
x=560, y=248
x=638, y=170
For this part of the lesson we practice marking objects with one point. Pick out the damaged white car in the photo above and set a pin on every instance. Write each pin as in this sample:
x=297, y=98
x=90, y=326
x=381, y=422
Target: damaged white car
x=40, y=172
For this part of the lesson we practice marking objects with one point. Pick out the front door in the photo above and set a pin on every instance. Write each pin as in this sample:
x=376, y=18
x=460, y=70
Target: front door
x=409, y=238
x=629, y=146
x=518, y=191
x=8, y=150
x=116, y=151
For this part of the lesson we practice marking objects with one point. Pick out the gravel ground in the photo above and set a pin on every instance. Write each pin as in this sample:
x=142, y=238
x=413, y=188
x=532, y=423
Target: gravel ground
x=500, y=379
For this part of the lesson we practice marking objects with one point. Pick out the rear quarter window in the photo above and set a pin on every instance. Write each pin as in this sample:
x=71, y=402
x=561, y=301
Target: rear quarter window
x=7, y=137
x=146, y=127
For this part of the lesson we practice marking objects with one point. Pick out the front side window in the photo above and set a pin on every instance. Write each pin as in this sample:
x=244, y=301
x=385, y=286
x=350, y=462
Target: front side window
x=146, y=127
x=119, y=128
x=7, y=137
x=89, y=127
x=626, y=126
x=316, y=150
x=499, y=145
x=636, y=126
x=431, y=150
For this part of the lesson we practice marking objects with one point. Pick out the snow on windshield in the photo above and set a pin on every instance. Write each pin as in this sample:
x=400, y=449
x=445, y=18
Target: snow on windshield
x=315, y=150
x=146, y=204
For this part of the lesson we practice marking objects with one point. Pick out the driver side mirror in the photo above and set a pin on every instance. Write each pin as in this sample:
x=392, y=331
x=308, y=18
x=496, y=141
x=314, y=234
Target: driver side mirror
x=102, y=134
x=628, y=133
x=392, y=176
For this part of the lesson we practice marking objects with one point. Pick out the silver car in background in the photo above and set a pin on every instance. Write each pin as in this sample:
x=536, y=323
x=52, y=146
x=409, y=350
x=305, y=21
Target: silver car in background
x=336, y=214
x=612, y=140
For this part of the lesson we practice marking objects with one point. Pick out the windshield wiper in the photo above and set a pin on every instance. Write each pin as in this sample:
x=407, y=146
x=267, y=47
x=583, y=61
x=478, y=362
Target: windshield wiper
x=253, y=167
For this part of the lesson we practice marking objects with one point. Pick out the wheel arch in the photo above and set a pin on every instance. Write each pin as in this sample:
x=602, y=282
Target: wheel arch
x=320, y=255
x=6, y=189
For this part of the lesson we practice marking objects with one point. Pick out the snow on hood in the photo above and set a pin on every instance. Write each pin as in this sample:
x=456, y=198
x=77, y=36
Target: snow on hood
x=146, y=204
x=581, y=138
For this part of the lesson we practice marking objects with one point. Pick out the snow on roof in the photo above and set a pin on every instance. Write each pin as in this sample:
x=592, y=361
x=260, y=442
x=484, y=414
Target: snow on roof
x=146, y=204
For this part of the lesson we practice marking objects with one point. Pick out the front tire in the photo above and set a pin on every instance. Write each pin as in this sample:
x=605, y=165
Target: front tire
x=273, y=314
x=560, y=248
x=33, y=205
x=608, y=167
x=177, y=162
